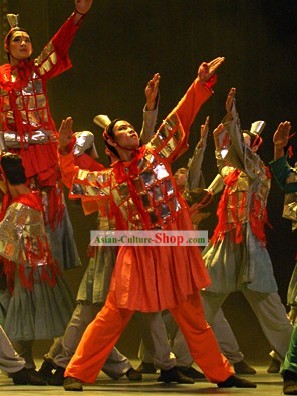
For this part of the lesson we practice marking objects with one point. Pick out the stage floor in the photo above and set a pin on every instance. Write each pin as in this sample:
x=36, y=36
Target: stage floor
x=267, y=384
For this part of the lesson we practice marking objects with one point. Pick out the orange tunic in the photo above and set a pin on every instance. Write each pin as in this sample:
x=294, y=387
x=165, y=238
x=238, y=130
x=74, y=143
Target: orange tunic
x=143, y=195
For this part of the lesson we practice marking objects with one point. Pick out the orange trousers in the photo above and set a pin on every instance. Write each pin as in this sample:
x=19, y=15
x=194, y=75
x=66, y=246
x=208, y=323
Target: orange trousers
x=103, y=333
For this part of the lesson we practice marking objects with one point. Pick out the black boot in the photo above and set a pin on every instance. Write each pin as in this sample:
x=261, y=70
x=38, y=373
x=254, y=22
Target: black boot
x=243, y=368
x=57, y=379
x=146, y=368
x=174, y=375
x=274, y=366
x=234, y=381
x=290, y=382
x=133, y=375
x=35, y=378
x=27, y=377
x=46, y=369
x=191, y=372
x=72, y=384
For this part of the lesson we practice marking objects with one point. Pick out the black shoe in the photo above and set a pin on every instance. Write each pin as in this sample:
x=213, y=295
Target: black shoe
x=46, y=369
x=133, y=375
x=190, y=372
x=27, y=377
x=274, y=366
x=174, y=375
x=146, y=368
x=57, y=379
x=236, y=382
x=243, y=368
x=35, y=378
x=290, y=387
x=72, y=384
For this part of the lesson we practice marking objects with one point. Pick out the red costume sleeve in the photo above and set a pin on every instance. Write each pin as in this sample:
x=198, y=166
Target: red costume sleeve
x=187, y=109
x=68, y=168
x=84, y=161
x=58, y=47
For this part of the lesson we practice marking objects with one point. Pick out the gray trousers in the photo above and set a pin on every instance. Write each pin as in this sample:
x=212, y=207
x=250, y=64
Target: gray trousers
x=10, y=361
x=269, y=311
x=157, y=328
x=64, y=347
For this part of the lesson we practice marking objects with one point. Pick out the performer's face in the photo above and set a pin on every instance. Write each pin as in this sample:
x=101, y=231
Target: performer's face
x=181, y=177
x=125, y=135
x=20, y=46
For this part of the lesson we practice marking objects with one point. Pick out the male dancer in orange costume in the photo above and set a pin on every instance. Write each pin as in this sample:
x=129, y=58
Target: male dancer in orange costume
x=143, y=196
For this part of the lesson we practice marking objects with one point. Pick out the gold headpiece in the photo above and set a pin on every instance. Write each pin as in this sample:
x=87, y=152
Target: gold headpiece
x=102, y=120
x=13, y=20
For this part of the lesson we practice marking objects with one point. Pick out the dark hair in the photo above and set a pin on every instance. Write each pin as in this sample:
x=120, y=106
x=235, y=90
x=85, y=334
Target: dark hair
x=109, y=134
x=13, y=169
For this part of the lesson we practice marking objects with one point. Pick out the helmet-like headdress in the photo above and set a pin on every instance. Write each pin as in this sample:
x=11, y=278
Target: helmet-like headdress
x=104, y=122
x=255, y=132
x=13, y=20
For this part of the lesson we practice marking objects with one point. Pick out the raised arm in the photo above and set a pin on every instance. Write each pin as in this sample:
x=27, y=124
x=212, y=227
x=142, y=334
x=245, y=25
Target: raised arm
x=68, y=169
x=281, y=138
x=198, y=93
x=220, y=135
x=195, y=177
x=280, y=167
x=218, y=131
x=54, y=58
x=240, y=154
x=82, y=8
x=150, y=111
x=151, y=92
x=230, y=104
x=171, y=139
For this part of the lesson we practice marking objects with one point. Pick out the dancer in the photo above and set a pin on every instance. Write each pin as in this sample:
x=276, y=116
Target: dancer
x=29, y=129
x=236, y=257
x=286, y=177
x=40, y=304
x=95, y=283
x=154, y=352
x=143, y=196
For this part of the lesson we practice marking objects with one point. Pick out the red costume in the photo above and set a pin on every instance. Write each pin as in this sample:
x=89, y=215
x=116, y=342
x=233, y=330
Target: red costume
x=144, y=195
x=26, y=120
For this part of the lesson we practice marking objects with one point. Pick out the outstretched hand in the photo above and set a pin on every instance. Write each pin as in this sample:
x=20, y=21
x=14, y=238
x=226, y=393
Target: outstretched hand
x=207, y=70
x=230, y=100
x=65, y=135
x=83, y=6
x=151, y=92
x=204, y=128
x=282, y=134
x=219, y=129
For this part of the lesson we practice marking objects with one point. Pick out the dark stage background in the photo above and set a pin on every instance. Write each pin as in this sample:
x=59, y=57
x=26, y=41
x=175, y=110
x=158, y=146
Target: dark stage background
x=121, y=44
